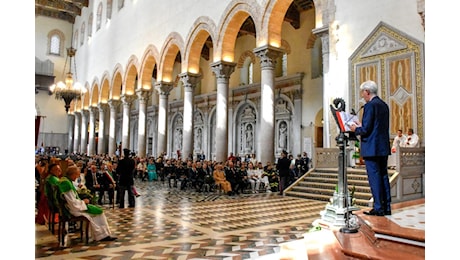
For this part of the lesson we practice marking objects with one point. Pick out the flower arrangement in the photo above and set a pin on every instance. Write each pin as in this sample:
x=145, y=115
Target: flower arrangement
x=84, y=193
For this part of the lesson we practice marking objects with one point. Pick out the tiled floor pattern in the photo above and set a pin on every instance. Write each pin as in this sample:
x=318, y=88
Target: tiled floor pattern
x=410, y=217
x=171, y=224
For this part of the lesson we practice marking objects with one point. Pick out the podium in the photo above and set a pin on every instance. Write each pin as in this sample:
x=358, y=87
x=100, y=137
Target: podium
x=339, y=212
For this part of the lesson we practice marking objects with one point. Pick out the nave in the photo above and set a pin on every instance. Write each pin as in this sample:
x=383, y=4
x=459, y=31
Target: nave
x=168, y=223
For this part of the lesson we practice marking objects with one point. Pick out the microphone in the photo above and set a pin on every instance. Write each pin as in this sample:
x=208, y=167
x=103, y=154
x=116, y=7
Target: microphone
x=354, y=113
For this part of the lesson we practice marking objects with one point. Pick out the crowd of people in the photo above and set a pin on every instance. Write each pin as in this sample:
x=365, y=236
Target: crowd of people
x=84, y=181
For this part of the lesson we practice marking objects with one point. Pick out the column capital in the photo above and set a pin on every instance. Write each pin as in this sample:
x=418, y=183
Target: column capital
x=190, y=79
x=268, y=55
x=223, y=69
x=143, y=94
x=93, y=109
x=84, y=112
x=102, y=106
x=163, y=88
x=114, y=103
x=127, y=99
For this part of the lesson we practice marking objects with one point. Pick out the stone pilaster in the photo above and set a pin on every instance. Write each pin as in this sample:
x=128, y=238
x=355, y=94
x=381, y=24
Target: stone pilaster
x=143, y=97
x=190, y=80
x=222, y=70
x=126, y=102
x=163, y=89
x=102, y=138
x=113, y=104
x=265, y=137
x=323, y=33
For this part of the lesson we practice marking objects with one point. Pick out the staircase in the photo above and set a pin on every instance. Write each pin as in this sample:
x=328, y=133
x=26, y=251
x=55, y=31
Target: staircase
x=320, y=184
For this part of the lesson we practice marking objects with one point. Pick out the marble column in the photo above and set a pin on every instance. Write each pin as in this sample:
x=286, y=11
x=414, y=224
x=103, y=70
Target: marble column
x=126, y=102
x=77, y=132
x=71, y=126
x=163, y=89
x=266, y=135
x=323, y=33
x=113, y=104
x=84, y=131
x=222, y=70
x=190, y=80
x=102, y=139
x=143, y=97
x=92, y=131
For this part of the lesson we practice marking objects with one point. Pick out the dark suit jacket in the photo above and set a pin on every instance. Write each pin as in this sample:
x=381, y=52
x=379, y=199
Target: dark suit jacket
x=375, y=130
x=125, y=171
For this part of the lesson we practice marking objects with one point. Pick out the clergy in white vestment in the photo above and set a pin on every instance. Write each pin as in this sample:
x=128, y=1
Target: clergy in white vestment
x=99, y=226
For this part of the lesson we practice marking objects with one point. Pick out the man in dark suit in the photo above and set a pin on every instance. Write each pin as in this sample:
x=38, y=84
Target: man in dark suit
x=375, y=147
x=125, y=171
x=282, y=166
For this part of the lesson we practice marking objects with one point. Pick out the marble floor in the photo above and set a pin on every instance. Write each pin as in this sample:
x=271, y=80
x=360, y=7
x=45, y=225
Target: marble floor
x=168, y=223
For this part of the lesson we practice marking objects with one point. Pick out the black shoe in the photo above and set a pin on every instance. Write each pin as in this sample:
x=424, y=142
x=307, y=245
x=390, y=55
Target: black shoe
x=109, y=238
x=373, y=212
x=387, y=212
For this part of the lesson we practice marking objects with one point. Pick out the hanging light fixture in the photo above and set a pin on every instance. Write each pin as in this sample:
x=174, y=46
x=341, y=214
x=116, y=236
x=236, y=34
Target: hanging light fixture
x=70, y=89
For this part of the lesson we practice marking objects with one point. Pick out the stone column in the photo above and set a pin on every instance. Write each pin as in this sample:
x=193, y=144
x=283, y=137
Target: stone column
x=113, y=104
x=190, y=80
x=71, y=126
x=323, y=33
x=163, y=89
x=143, y=97
x=222, y=70
x=102, y=140
x=84, y=131
x=92, y=133
x=77, y=132
x=266, y=135
x=126, y=101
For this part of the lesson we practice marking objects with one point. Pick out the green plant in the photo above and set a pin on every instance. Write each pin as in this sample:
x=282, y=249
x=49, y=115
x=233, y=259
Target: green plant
x=356, y=154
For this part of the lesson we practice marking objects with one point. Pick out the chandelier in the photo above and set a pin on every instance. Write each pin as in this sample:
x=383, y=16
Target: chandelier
x=70, y=89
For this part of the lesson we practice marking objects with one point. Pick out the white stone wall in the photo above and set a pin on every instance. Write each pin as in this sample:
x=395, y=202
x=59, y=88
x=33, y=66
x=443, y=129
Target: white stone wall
x=140, y=24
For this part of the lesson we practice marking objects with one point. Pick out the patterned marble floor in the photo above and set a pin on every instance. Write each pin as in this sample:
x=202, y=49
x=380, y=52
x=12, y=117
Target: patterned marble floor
x=168, y=223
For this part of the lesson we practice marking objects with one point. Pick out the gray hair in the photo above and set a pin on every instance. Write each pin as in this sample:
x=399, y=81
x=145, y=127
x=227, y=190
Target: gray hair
x=369, y=85
x=71, y=169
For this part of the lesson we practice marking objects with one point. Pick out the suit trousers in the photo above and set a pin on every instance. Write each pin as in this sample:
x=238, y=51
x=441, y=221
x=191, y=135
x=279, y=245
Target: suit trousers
x=377, y=174
x=131, y=198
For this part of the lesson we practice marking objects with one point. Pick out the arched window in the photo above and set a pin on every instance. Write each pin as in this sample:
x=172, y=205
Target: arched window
x=246, y=65
x=109, y=9
x=82, y=31
x=75, y=38
x=99, y=17
x=55, y=42
x=90, y=25
x=121, y=3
